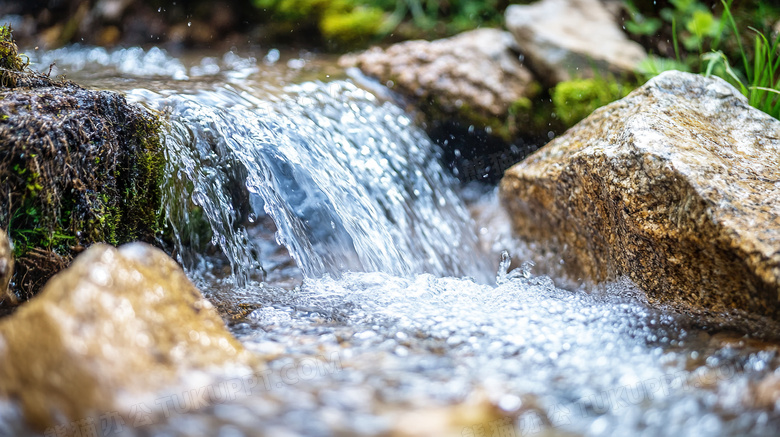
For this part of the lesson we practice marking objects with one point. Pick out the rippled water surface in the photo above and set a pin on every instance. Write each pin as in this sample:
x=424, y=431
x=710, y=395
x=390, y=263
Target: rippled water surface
x=381, y=311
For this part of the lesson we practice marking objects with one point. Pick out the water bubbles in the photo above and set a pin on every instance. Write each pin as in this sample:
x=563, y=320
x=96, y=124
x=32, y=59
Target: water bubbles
x=99, y=62
x=208, y=67
x=272, y=57
x=525, y=268
x=503, y=267
x=437, y=338
x=296, y=64
x=269, y=316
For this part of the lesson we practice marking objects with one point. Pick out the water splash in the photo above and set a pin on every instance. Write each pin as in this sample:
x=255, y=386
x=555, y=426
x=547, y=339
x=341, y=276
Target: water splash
x=504, y=275
x=597, y=364
x=135, y=62
x=350, y=182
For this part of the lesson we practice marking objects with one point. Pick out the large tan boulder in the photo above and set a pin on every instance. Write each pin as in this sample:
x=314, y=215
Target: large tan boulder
x=676, y=186
x=564, y=39
x=476, y=76
x=117, y=328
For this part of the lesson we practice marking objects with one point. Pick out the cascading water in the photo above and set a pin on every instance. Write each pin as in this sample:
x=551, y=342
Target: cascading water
x=382, y=236
x=351, y=184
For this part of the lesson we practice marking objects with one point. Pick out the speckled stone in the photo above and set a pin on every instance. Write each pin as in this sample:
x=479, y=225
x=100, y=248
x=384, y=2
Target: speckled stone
x=116, y=329
x=676, y=186
x=476, y=72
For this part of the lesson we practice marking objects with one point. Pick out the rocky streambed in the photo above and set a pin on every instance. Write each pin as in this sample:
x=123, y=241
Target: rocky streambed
x=644, y=299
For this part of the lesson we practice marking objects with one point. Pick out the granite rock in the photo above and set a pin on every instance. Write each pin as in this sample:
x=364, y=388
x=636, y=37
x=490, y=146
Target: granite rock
x=676, y=186
x=476, y=76
x=565, y=39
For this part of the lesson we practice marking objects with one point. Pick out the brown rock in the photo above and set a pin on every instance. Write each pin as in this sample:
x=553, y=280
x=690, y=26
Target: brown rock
x=676, y=186
x=476, y=75
x=766, y=393
x=114, y=329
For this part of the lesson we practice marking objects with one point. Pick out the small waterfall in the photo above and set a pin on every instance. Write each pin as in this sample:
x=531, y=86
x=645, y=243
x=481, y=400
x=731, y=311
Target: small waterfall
x=350, y=182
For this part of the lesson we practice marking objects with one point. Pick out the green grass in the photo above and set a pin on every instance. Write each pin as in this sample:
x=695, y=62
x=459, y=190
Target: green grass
x=759, y=81
x=729, y=46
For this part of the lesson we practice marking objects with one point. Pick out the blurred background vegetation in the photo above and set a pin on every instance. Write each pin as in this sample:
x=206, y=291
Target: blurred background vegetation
x=676, y=32
x=734, y=39
x=335, y=25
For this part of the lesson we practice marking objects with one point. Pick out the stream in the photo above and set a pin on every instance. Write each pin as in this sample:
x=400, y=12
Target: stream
x=380, y=286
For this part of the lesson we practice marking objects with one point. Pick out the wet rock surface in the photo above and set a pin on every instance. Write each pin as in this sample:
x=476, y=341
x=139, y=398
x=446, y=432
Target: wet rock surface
x=675, y=186
x=564, y=39
x=119, y=327
x=79, y=167
x=475, y=76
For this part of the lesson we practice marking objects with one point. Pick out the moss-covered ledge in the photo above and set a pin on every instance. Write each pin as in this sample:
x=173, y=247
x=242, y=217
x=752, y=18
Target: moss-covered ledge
x=78, y=167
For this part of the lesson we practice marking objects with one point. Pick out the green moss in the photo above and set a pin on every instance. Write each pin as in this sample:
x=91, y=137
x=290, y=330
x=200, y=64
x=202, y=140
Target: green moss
x=520, y=106
x=575, y=99
x=355, y=26
x=81, y=167
x=342, y=23
x=139, y=214
x=293, y=9
x=11, y=62
x=10, y=59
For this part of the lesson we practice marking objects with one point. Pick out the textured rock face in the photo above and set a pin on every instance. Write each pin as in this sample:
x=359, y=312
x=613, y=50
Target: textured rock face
x=563, y=39
x=475, y=75
x=677, y=186
x=115, y=328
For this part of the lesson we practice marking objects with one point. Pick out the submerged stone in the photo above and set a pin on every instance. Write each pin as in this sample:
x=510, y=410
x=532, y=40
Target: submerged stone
x=566, y=39
x=117, y=329
x=475, y=77
x=676, y=186
x=78, y=167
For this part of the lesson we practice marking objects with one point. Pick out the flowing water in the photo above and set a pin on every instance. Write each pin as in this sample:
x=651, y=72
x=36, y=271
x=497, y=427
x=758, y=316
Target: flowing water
x=392, y=318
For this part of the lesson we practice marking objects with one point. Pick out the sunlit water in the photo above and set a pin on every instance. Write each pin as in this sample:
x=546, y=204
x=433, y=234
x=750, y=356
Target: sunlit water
x=401, y=308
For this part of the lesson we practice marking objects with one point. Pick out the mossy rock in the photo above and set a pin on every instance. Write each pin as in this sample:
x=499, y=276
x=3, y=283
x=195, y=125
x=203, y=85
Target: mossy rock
x=78, y=167
x=576, y=99
x=12, y=64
